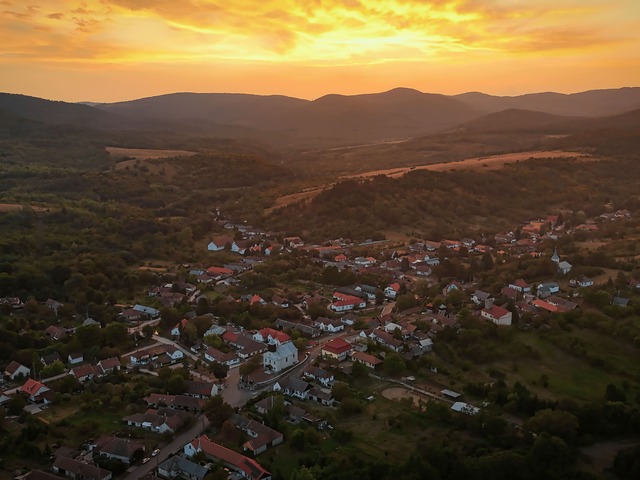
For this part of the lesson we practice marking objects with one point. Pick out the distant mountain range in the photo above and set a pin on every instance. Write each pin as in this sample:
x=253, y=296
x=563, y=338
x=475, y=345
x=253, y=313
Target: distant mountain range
x=339, y=119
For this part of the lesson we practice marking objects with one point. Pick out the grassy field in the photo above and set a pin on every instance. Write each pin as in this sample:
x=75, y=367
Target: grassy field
x=570, y=376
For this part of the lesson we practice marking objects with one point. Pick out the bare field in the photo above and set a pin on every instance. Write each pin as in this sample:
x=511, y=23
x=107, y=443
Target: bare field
x=399, y=393
x=14, y=207
x=147, y=154
x=491, y=162
x=485, y=163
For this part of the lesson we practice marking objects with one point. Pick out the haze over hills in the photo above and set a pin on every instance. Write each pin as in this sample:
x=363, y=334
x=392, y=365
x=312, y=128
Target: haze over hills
x=336, y=120
x=593, y=103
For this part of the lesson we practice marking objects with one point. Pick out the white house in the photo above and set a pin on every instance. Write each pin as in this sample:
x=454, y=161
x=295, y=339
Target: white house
x=218, y=244
x=497, y=314
x=329, y=325
x=283, y=356
x=392, y=291
x=16, y=370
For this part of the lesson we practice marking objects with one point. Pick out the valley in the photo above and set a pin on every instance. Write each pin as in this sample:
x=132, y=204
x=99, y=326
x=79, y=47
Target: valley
x=276, y=281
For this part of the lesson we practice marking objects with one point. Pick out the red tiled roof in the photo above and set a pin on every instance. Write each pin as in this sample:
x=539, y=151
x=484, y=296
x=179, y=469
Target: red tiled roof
x=31, y=387
x=250, y=467
x=337, y=346
x=496, y=311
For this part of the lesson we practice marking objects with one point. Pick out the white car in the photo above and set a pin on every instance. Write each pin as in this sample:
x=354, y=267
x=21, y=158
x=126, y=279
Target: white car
x=155, y=452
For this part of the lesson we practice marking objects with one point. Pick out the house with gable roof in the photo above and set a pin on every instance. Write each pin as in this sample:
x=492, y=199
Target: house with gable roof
x=391, y=291
x=337, y=348
x=280, y=356
x=36, y=392
x=496, y=314
x=16, y=370
x=247, y=467
x=219, y=243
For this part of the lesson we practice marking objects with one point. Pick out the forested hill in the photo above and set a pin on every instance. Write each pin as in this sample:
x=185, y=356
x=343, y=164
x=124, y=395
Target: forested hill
x=441, y=204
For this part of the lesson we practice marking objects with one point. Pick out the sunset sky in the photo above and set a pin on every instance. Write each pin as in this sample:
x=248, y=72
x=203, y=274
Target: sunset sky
x=110, y=50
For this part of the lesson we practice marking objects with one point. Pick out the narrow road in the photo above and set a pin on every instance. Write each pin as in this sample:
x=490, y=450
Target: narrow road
x=178, y=442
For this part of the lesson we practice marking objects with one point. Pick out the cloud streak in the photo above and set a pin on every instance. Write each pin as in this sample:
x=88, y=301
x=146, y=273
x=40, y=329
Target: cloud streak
x=311, y=33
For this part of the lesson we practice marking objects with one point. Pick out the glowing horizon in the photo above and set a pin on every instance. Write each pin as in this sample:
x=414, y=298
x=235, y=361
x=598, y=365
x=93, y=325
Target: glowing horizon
x=114, y=50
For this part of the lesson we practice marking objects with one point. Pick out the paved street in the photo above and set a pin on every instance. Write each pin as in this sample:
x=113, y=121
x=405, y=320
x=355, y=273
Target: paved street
x=176, y=445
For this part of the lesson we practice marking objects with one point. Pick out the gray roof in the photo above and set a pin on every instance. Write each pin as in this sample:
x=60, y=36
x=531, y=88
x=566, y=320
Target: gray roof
x=178, y=464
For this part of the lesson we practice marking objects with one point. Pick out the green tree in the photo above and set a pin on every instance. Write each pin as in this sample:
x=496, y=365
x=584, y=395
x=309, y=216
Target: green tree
x=217, y=411
x=394, y=365
x=554, y=422
x=219, y=370
x=251, y=365
x=116, y=334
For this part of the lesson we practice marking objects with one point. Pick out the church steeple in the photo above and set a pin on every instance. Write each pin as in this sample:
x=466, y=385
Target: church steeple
x=555, y=257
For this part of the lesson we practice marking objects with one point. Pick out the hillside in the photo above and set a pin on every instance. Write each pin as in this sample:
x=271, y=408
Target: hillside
x=593, y=103
x=58, y=113
x=515, y=120
x=429, y=204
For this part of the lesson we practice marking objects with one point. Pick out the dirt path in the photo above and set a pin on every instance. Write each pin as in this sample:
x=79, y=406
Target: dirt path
x=485, y=163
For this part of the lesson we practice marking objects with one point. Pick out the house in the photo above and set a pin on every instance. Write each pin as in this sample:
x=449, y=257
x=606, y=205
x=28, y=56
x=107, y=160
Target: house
x=387, y=339
x=123, y=449
x=86, y=372
x=322, y=396
x=521, y=286
x=201, y=389
x=50, y=359
x=293, y=242
x=479, y=297
x=214, y=355
x=162, y=354
x=496, y=314
x=293, y=387
x=463, y=407
x=56, y=332
x=248, y=468
x=271, y=336
x=110, y=365
x=261, y=435
x=564, y=267
x=366, y=359
x=337, y=348
x=53, y=305
x=219, y=273
x=620, y=301
x=510, y=293
x=347, y=304
x=179, y=467
x=75, y=358
x=581, y=282
x=545, y=289
x=279, y=357
x=175, y=331
x=150, y=312
x=36, y=392
x=267, y=403
x=329, y=325
x=368, y=290
x=306, y=330
x=219, y=243
x=279, y=301
x=391, y=291
x=77, y=470
x=320, y=375
x=16, y=370
x=168, y=421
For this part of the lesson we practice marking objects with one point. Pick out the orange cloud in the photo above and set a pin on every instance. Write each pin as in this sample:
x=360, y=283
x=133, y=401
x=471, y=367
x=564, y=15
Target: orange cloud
x=210, y=35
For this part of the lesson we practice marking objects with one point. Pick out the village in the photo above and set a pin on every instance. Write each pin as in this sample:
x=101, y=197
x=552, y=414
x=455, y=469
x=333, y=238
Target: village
x=286, y=350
